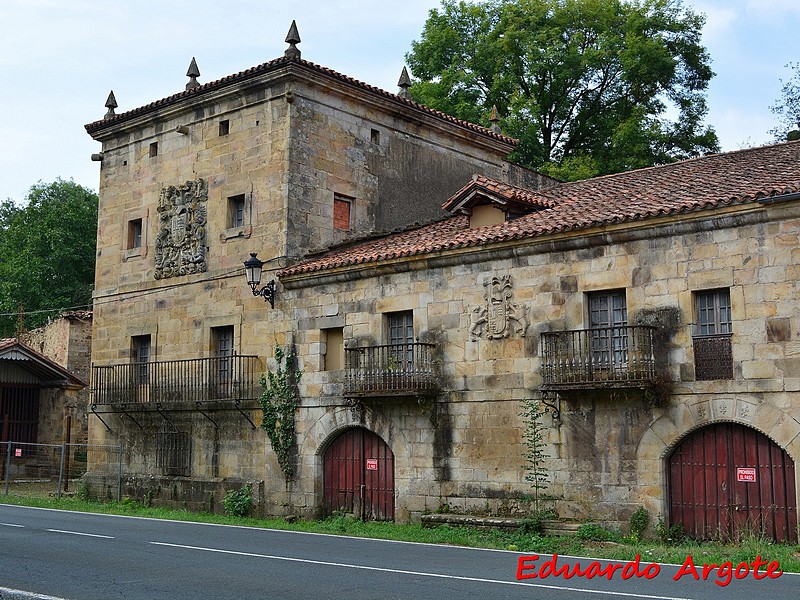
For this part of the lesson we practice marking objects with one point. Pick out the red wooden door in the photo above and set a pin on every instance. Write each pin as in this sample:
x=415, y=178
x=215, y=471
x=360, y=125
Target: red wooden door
x=359, y=476
x=726, y=480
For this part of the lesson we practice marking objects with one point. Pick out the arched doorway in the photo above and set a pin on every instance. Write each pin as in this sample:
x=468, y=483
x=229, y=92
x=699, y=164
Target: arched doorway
x=359, y=476
x=727, y=479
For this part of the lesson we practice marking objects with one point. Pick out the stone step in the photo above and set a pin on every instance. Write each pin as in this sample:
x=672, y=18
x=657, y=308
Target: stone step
x=549, y=528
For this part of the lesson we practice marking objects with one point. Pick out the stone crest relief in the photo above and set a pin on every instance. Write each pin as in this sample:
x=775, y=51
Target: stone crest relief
x=181, y=240
x=499, y=316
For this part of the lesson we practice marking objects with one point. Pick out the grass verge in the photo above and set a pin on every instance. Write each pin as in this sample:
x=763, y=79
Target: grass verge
x=787, y=555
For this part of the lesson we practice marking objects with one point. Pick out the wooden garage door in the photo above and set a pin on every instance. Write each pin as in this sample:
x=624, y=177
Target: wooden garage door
x=726, y=480
x=359, y=476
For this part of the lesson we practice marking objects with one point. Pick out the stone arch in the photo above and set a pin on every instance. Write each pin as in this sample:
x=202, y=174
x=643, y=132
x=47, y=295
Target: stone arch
x=680, y=419
x=725, y=478
x=332, y=423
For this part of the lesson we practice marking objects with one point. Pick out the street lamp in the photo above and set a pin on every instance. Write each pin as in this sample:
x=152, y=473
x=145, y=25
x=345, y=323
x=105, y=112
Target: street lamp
x=252, y=271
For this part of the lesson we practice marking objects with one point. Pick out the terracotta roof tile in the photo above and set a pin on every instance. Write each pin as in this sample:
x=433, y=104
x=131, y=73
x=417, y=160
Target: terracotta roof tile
x=692, y=185
x=275, y=65
x=486, y=187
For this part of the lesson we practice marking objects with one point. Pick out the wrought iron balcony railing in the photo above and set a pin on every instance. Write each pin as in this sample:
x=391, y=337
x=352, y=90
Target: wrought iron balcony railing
x=615, y=357
x=390, y=370
x=226, y=378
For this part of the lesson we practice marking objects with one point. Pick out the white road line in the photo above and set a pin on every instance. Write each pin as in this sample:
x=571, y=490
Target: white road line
x=108, y=537
x=12, y=525
x=419, y=573
x=32, y=595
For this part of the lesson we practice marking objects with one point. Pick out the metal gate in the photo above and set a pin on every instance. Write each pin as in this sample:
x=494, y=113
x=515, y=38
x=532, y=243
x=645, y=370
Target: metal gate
x=726, y=480
x=19, y=413
x=359, y=476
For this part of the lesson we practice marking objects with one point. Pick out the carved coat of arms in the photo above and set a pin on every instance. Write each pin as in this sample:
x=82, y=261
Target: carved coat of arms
x=181, y=240
x=499, y=315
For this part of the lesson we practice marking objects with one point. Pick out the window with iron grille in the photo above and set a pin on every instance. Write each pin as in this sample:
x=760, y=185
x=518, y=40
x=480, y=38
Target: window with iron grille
x=713, y=355
x=222, y=340
x=140, y=355
x=608, y=319
x=173, y=452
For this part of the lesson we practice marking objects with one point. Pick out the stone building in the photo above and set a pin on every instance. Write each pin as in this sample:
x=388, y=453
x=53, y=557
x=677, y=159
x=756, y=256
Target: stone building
x=653, y=313
x=43, y=382
x=281, y=160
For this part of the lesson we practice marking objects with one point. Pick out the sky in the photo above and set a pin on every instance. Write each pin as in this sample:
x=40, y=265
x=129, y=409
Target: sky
x=60, y=58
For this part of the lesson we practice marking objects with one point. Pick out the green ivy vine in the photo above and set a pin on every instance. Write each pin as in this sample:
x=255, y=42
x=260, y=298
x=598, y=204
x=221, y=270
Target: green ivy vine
x=278, y=404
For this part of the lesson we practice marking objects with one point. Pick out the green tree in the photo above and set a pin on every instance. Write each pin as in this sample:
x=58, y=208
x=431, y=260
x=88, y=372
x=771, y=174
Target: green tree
x=787, y=107
x=47, y=253
x=585, y=85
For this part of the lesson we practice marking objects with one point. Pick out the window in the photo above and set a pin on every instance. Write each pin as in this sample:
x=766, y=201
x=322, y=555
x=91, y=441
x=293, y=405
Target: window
x=375, y=136
x=222, y=341
x=236, y=211
x=400, y=328
x=140, y=356
x=334, y=349
x=341, y=212
x=713, y=355
x=153, y=149
x=224, y=127
x=134, y=233
x=713, y=312
x=173, y=451
x=608, y=319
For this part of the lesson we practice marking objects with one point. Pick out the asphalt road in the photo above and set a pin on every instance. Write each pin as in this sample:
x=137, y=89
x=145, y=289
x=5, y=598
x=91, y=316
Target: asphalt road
x=54, y=555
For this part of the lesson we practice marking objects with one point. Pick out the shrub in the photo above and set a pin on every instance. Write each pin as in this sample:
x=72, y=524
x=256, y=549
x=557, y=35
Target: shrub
x=640, y=519
x=595, y=533
x=674, y=535
x=238, y=503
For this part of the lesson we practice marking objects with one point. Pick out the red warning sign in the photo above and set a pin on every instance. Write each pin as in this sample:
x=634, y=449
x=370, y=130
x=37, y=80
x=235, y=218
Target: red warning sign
x=17, y=452
x=372, y=464
x=745, y=474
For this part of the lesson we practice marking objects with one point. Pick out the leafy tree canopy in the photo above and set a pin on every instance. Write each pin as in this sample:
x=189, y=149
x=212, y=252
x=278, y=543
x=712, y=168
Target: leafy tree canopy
x=787, y=107
x=587, y=86
x=47, y=253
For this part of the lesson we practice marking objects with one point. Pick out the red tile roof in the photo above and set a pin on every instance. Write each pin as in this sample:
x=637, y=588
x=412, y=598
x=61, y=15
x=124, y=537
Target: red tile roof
x=274, y=65
x=481, y=188
x=38, y=364
x=692, y=185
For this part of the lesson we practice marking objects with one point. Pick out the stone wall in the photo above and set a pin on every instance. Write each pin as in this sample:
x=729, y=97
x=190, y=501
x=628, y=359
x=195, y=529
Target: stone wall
x=67, y=341
x=609, y=447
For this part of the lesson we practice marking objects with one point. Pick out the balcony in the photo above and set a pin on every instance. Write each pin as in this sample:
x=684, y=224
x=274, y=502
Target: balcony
x=390, y=370
x=605, y=357
x=225, y=378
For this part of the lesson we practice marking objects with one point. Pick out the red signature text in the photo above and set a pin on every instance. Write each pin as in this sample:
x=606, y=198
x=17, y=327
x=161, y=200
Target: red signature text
x=530, y=567
x=725, y=572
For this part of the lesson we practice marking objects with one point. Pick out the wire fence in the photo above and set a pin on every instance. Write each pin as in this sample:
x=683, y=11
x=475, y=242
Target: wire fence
x=46, y=470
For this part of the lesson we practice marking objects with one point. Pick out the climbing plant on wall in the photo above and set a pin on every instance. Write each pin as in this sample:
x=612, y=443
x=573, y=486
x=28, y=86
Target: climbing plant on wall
x=278, y=404
x=535, y=457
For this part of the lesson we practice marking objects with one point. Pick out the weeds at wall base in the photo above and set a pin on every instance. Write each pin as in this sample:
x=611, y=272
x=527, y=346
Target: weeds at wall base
x=619, y=548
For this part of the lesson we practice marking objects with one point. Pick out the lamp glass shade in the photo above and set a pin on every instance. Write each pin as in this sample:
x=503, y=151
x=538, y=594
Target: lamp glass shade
x=252, y=270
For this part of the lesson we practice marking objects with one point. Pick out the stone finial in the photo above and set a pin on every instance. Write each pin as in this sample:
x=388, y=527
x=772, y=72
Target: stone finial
x=292, y=38
x=193, y=73
x=404, y=84
x=111, y=104
x=494, y=119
